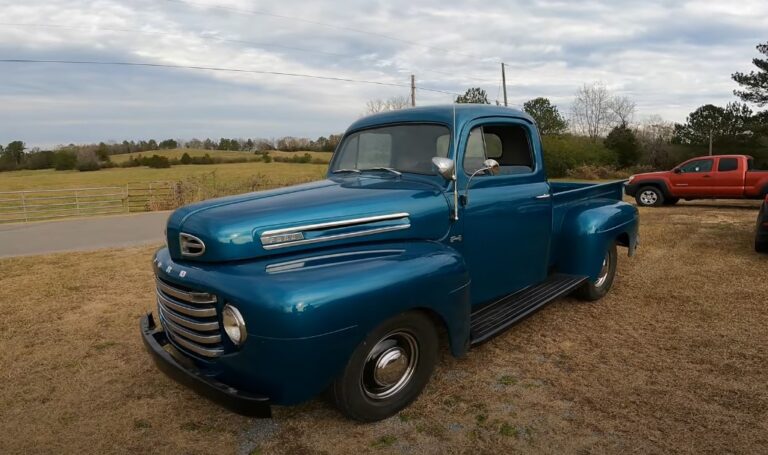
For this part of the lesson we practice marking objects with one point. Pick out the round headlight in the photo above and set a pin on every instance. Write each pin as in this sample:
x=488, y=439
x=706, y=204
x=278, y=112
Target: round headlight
x=234, y=325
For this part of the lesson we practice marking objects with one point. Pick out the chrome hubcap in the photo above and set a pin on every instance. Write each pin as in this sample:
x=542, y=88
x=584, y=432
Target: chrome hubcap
x=603, y=276
x=390, y=365
x=648, y=197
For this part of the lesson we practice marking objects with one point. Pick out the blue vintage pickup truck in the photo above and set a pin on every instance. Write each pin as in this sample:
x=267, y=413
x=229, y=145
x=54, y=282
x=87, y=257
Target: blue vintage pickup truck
x=434, y=220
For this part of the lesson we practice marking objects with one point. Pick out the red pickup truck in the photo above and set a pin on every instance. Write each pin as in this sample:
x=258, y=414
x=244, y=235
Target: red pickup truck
x=704, y=177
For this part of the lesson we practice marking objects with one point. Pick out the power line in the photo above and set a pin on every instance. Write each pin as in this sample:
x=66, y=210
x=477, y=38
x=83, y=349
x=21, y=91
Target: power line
x=222, y=40
x=214, y=68
x=332, y=26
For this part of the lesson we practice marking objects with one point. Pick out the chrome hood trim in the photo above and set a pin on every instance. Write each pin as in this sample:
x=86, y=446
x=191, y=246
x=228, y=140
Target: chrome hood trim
x=334, y=230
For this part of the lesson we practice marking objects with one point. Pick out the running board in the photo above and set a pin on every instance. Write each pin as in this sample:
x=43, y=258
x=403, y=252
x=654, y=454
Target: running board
x=494, y=318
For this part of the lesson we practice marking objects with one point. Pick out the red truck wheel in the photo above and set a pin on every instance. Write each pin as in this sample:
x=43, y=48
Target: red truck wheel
x=649, y=196
x=389, y=369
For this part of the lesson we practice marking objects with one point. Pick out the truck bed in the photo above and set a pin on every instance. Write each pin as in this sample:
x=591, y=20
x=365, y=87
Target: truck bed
x=567, y=194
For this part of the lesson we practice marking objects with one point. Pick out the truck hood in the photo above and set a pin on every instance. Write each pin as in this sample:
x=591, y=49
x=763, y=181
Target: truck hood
x=330, y=212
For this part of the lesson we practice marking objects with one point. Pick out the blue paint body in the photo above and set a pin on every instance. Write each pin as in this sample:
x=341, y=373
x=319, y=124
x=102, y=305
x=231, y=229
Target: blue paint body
x=308, y=306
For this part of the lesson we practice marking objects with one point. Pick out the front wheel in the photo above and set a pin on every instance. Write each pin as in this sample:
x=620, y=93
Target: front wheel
x=649, y=196
x=595, y=290
x=389, y=369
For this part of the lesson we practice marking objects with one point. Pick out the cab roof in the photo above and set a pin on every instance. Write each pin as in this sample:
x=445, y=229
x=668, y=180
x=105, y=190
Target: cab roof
x=439, y=114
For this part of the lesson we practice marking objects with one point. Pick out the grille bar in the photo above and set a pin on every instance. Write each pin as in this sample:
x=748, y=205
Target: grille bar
x=190, y=319
x=194, y=336
x=204, y=312
x=189, y=323
x=186, y=296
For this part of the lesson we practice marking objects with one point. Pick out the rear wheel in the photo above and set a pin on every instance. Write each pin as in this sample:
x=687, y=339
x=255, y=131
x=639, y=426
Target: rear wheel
x=389, y=369
x=595, y=290
x=649, y=196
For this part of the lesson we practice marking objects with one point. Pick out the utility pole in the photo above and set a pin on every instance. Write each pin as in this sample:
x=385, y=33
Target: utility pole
x=504, y=83
x=413, y=90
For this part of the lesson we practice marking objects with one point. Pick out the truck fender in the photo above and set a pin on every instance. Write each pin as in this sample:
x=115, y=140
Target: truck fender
x=588, y=229
x=314, y=309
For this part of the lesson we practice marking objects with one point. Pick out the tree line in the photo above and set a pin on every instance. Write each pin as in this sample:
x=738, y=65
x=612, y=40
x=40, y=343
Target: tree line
x=86, y=157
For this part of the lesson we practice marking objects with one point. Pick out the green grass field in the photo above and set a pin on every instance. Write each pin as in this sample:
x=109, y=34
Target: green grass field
x=177, y=153
x=279, y=174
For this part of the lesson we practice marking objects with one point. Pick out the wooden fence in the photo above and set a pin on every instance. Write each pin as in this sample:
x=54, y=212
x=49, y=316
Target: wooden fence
x=37, y=205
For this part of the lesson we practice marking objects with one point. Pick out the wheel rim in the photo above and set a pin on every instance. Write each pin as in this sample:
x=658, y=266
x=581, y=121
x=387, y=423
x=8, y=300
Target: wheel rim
x=606, y=268
x=390, y=365
x=648, y=197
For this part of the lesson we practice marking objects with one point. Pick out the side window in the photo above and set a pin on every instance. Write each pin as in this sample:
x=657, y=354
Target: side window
x=728, y=164
x=507, y=144
x=697, y=166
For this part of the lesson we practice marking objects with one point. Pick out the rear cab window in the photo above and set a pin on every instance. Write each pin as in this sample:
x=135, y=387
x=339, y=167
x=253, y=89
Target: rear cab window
x=728, y=164
x=509, y=145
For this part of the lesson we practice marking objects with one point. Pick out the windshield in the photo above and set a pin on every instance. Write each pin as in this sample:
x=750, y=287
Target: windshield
x=404, y=148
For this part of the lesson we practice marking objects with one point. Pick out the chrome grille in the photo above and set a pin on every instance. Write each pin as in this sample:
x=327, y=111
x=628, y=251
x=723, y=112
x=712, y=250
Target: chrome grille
x=190, y=319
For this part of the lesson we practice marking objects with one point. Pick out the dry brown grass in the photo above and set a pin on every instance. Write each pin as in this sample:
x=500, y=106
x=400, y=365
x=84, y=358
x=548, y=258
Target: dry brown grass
x=673, y=360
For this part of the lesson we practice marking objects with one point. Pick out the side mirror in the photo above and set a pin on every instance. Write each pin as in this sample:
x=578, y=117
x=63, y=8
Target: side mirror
x=677, y=170
x=491, y=165
x=444, y=166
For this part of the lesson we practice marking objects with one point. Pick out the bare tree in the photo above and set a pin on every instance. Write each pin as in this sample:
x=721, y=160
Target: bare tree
x=623, y=109
x=596, y=110
x=393, y=103
x=591, y=112
x=653, y=134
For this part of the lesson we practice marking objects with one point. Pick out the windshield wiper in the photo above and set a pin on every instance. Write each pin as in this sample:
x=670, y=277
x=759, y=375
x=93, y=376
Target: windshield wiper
x=344, y=171
x=388, y=169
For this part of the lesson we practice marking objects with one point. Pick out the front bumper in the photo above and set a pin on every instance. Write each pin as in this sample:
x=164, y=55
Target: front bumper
x=236, y=400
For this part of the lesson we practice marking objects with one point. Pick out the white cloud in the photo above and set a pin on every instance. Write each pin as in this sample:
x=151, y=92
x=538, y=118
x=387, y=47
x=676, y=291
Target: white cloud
x=669, y=56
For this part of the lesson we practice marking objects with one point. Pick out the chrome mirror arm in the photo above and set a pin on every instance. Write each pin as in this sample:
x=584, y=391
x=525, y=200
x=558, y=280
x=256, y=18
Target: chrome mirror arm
x=488, y=165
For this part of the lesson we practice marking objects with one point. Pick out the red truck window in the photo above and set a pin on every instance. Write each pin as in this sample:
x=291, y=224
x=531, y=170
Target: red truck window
x=728, y=164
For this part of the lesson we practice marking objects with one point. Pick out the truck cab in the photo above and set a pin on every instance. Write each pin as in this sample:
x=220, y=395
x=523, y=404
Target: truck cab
x=435, y=219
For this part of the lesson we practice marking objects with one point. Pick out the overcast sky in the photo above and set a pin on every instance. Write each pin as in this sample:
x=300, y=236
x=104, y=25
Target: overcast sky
x=669, y=56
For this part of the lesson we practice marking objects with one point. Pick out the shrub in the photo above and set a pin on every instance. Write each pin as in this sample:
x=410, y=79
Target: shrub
x=157, y=162
x=41, y=160
x=87, y=161
x=267, y=157
x=64, y=160
x=186, y=159
x=565, y=152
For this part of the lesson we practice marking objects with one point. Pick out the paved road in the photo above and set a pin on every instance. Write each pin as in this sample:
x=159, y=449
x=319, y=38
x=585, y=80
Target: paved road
x=82, y=234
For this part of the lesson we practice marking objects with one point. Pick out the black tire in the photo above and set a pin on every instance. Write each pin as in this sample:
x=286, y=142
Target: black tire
x=761, y=247
x=596, y=290
x=649, y=196
x=357, y=392
x=671, y=201
x=761, y=242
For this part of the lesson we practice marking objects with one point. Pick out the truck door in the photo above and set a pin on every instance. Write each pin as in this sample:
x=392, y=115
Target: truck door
x=728, y=181
x=694, y=179
x=507, y=218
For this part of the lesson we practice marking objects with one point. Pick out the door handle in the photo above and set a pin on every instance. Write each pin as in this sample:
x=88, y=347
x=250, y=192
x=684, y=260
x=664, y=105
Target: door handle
x=543, y=196
x=706, y=176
